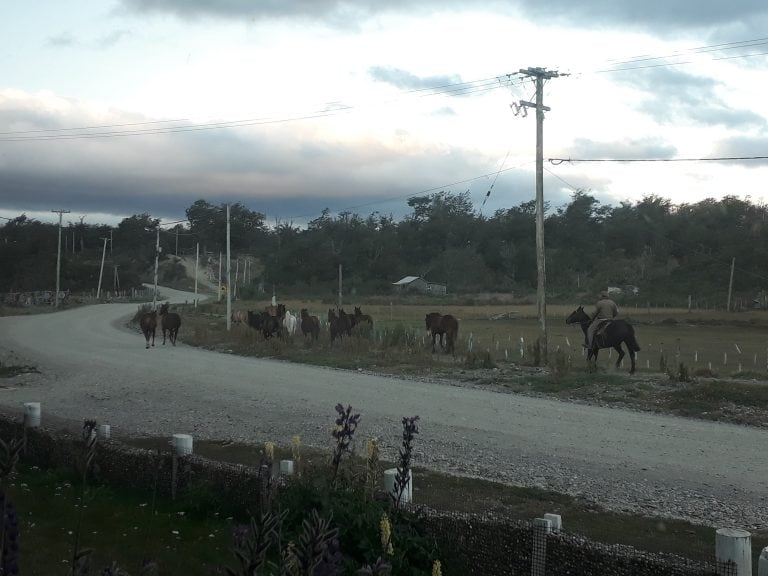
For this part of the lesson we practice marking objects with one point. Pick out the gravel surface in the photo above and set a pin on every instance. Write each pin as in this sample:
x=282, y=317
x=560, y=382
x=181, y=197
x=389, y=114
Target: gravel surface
x=93, y=366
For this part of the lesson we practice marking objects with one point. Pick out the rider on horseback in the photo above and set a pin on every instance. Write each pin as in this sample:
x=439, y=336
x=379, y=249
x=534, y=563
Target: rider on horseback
x=605, y=309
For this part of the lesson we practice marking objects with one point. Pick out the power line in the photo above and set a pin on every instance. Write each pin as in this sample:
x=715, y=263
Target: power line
x=558, y=161
x=459, y=89
x=17, y=132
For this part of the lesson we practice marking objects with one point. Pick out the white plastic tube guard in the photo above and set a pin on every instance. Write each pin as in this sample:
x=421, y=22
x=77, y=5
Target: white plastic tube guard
x=32, y=414
x=182, y=444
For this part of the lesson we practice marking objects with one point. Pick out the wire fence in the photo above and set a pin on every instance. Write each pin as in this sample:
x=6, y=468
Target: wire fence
x=482, y=544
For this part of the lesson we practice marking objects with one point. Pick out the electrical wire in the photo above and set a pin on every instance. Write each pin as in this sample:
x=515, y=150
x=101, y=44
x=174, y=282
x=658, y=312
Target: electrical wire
x=558, y=161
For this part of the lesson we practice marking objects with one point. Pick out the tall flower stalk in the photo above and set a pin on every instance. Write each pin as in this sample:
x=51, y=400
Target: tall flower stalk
x=403, y=476
x=346, y=424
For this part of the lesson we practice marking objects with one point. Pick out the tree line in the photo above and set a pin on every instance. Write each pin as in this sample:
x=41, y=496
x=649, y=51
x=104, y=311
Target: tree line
x=667, y=251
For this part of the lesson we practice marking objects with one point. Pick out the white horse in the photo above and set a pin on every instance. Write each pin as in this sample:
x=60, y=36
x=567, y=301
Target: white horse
x=290, y=322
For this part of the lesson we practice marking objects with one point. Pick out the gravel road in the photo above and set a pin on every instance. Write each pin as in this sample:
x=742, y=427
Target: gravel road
x=93, y=366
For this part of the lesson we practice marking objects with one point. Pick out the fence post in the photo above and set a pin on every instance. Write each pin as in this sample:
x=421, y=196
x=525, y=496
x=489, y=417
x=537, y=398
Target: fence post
x=733, y=545
x=762, y=563
x=541, y=528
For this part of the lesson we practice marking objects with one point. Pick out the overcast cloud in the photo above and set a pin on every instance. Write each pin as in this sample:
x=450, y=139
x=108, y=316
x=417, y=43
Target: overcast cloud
x=347, y=105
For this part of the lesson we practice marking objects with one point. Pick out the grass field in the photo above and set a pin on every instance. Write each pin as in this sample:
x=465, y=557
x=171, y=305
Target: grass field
x=705, y=364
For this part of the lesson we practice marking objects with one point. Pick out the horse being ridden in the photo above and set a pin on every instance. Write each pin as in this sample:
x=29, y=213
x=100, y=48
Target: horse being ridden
x=171, y=322
x=610, y=334
x=309, y=324
x=148, y=324
x=443, y=326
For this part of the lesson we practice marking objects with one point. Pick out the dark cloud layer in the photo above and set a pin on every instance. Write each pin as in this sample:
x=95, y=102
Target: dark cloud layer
x=627, y=148
x=405, y=80
x=652, y=14
x=276, y=170
x=672, y=95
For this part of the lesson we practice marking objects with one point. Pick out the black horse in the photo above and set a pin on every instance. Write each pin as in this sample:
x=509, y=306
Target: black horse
x=334, y=325
x=361, y=318
x=148, y=325
x=612, y=334
x=309, y=324
x=346, y=322
x=443, y=326
x=171, y=322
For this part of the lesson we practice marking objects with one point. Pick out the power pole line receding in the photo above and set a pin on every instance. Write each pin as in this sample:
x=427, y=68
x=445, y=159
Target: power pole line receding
x=539, y=75
x=58, y=258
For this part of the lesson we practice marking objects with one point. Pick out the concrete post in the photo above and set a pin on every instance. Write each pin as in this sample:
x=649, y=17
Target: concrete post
x=734, y=545
x=104, y=431
x=286, y=467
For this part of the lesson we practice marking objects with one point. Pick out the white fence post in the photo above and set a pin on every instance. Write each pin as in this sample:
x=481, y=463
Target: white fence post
x=182, y=444
x=762, y=563
x=733, y=545
x=390, y=474
x=32, y=414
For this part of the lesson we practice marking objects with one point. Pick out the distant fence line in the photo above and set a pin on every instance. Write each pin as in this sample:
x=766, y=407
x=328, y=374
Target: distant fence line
x=48, y=297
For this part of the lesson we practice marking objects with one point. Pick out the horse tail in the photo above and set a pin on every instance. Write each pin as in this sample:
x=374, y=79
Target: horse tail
x=632, y=341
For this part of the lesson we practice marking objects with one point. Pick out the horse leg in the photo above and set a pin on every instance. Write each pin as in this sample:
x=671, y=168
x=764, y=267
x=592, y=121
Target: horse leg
x=592, y=359
x=433, y=342
x=631, y=359
x=620, y=350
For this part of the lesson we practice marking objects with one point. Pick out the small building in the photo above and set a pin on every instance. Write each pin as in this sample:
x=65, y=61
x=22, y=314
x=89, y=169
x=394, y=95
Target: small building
x=421, y=285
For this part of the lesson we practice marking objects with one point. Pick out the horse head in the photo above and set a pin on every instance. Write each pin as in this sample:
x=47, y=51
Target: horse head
x=358, y=312
x=578, y=316
x=164, y=309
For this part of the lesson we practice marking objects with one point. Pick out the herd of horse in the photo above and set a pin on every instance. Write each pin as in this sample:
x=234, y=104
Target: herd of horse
x=170, y=322
x=277, y=321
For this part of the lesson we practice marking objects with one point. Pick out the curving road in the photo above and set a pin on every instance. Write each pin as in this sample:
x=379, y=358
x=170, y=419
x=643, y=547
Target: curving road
x=93, y=366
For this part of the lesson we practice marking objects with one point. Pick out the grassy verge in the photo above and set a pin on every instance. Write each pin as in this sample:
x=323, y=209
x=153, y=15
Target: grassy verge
x=458, y=494
x=117, y=524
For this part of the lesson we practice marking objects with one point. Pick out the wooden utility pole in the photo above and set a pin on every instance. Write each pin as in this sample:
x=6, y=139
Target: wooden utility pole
x=58, y=258
x=229, y=283
x=339, y=286
x=540, y=75
x=197, y=263
x=157, y=260
x=101, y=271
x=730, y=284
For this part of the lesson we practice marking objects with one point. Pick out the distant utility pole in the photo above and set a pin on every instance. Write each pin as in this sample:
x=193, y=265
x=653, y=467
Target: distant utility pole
x=58, y=257
x=101, y=271
x=197, y=262
x=218, y=299
x=157, y=258
x=339, y=286
x=730, y=284
x=177, y=240
x=229, y=283
x=540, y=75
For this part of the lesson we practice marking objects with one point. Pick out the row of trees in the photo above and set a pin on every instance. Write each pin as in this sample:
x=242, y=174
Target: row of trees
x=668, y=251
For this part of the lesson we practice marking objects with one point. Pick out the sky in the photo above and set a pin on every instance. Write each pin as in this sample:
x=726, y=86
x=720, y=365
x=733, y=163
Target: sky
x=110, y=108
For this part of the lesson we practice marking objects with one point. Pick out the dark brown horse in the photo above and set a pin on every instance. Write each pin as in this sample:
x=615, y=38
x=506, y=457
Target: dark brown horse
x=334, y=326
x=361, y=318
x=346, y=322
x=309, y=324
x=148, y=323
x=611, y=334
x=170, y=322
x=443, y=326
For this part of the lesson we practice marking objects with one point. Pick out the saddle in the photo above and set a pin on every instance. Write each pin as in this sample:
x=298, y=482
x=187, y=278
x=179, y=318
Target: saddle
x=602, y=326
